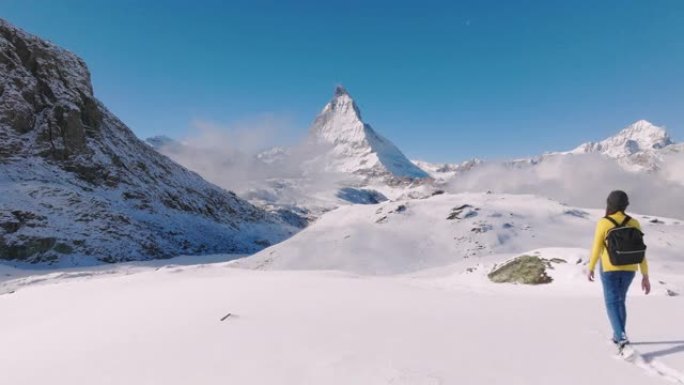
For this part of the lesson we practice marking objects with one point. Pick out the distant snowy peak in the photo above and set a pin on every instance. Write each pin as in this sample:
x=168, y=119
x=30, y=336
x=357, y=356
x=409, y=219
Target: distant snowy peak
x=442, y=170
x=637, y=137
x=340, y=121
x=274, y=155
x=354, y=146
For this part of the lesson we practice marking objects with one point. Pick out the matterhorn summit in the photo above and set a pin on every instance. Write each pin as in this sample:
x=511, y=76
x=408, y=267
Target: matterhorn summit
x=352, y=146
x=637, y=137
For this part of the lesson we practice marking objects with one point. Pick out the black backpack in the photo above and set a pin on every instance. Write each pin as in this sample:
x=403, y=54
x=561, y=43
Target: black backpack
x=625, y=244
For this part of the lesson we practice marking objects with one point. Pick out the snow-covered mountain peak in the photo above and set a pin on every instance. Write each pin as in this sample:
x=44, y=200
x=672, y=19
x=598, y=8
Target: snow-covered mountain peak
x=355, y=146
x=639, y=136
x=646, y=134
x=340, y=90
x=642, y=124
x=340, y=120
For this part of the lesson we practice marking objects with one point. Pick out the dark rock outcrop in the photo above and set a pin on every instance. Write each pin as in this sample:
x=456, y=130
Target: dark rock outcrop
x=526, y=269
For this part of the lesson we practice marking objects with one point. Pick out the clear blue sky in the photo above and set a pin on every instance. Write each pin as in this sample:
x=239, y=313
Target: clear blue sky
x=445, y=81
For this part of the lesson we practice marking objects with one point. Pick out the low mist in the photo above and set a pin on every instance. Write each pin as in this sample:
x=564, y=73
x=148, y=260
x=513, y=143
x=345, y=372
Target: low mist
x=254, y=160
x=673, y=168
x=235, y=159
x=584, y=181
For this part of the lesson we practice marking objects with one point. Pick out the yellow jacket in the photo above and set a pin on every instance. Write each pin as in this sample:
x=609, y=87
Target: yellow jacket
x=599, y=248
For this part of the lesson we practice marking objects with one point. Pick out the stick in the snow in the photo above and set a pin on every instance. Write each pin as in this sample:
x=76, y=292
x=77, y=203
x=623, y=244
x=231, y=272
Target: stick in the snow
x=226, y=316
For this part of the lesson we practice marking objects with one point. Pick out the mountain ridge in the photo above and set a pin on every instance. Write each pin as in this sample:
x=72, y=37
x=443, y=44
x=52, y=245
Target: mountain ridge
x=637, y=147
x=79, y=187
x=641, y=135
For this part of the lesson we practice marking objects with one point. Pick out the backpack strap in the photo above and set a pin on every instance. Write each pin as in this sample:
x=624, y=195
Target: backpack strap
x=613, y=221
x=624, y=222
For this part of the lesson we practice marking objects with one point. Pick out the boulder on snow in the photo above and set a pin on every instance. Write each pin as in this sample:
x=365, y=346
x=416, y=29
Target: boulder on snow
x=457, y=211
x=526, y=269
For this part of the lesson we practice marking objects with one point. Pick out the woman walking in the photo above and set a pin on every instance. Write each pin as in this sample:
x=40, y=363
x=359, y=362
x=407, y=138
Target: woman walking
x=616, y=276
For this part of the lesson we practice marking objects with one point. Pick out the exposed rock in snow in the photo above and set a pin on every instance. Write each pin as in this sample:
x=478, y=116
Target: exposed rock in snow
x=360, y=196
x=525, y=269
x=75, y=182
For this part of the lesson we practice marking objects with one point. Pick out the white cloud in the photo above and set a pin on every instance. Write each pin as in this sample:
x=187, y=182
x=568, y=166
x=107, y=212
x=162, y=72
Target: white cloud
x=581, y=180
x=673, y=168
x=226, y=155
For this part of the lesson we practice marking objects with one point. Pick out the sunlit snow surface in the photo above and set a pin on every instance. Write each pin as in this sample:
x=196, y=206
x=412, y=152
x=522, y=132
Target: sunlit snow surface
x=354, y=300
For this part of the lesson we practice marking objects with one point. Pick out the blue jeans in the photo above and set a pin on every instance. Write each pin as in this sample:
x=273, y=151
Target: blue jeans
x=615, y=286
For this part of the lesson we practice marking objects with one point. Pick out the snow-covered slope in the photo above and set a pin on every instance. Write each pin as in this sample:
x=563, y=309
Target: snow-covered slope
x=406, y=236
x=354, y=146
x=352, y=326
x=75, y=182
x=292, y=328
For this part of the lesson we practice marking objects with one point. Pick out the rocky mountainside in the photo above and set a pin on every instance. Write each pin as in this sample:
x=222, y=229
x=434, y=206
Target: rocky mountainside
x=77, y=186
x=354, y=147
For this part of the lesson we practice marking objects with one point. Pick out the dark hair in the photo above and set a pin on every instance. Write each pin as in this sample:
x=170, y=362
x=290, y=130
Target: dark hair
x=617, y=202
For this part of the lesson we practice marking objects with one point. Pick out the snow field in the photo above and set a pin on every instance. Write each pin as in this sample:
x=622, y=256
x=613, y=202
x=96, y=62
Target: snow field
x=309, y=327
